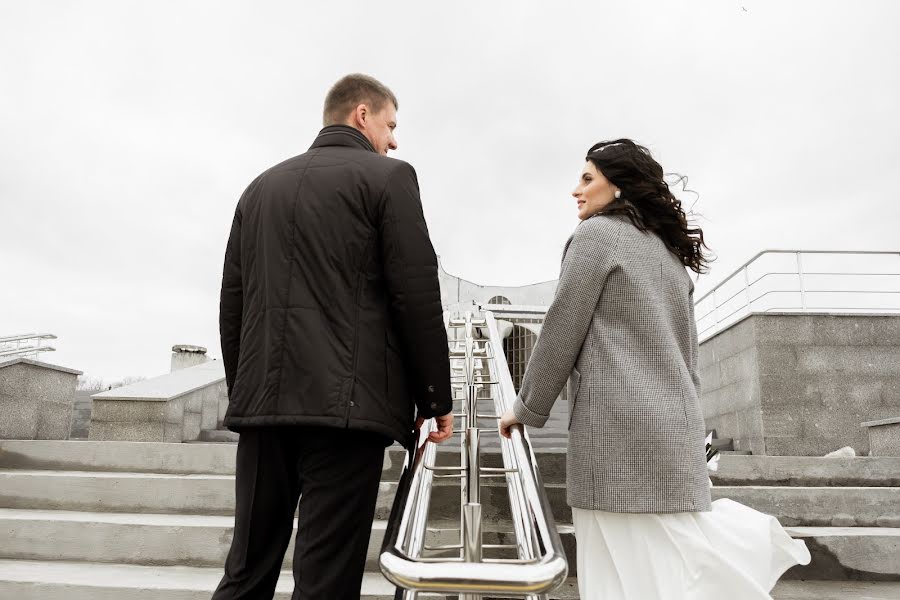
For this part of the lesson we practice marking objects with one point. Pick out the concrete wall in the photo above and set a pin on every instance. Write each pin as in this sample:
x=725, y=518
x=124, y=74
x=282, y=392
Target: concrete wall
x=81, y=414
x=174, y=407
x=36, y=400
x=801, y=384
x=729, y=376
x=884, y=437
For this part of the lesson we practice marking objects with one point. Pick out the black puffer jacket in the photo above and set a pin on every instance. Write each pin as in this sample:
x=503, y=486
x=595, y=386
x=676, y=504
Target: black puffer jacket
x=330, y=310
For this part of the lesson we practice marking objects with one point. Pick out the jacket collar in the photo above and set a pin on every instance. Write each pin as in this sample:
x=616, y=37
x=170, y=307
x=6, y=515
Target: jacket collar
x=342, y=135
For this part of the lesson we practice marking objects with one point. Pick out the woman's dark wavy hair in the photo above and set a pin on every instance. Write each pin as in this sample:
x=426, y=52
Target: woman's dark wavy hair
x=647, y=200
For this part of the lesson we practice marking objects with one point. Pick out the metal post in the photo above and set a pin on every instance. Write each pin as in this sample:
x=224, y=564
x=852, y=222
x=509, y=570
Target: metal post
x=473, y=468
x=472, y=543
x=715, y=311
x=471, y=509
x=747, y=290
x=800, y=277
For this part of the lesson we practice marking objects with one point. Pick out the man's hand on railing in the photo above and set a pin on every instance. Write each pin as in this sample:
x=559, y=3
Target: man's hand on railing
x=444, y=428
x=506, y=421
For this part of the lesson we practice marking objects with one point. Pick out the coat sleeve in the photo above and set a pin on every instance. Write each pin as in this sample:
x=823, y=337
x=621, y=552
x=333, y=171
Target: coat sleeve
x=231, y=302
x=411, y=273
x=589, y=259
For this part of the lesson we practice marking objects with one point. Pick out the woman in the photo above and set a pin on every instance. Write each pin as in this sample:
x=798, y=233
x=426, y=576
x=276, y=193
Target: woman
x=621, y=330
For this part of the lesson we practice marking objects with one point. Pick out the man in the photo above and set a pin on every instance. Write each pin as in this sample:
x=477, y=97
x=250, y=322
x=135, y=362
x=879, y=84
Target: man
x=332, y=335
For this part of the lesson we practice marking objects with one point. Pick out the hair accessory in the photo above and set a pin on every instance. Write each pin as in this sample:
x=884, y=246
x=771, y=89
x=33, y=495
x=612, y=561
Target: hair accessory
x=601, y=148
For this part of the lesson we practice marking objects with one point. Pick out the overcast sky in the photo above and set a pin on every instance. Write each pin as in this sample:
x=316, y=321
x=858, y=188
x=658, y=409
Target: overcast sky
x=130, y=129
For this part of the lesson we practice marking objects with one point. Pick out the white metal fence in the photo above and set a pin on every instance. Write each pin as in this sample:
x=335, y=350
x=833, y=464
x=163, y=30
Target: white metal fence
x=27, y=345
x=802, y=281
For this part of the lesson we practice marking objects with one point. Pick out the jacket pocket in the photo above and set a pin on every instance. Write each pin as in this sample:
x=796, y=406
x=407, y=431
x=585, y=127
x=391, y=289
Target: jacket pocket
x=574, y=386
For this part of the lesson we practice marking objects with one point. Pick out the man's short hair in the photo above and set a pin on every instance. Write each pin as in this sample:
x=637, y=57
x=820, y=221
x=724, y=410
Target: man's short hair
x=351, y=91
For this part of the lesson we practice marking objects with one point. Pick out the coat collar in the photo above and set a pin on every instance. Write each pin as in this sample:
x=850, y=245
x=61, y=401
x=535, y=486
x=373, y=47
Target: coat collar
x=342, y=135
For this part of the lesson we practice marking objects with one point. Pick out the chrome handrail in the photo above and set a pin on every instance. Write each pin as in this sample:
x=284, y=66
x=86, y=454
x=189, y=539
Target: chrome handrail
x=541, y=564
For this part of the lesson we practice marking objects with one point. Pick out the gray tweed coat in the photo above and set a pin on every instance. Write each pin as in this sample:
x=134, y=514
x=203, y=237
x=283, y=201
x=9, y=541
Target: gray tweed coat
x=621, y=330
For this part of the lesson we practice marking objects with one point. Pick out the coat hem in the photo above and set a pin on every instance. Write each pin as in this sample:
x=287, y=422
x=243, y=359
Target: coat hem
x=239, y=424
x=659, y=509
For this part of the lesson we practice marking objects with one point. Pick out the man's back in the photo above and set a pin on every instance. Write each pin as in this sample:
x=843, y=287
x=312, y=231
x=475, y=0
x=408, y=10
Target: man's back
x=330, y=307
x=332, y=335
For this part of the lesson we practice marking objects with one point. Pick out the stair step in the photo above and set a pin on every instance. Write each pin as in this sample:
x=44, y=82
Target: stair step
x=117, y=492
x=871, y=553
x=219, y=436
x=836, y=590
x=849, y=553
x=37, y=580
x=214, y=495
x=40, y=580
x=820, y=506
x=722, y=444
x=809, y=471
x=134, y=457
x=218, y=459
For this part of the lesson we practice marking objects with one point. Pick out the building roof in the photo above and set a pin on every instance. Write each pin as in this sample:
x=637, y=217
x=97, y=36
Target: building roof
x=37, y=363
x=170, y=385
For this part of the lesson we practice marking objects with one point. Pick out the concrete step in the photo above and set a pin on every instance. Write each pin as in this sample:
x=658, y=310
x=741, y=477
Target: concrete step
x=40, y=580
x=36, y=580
x=133, y=457
x=149, y=457
x=219, y=436
x=172, y=540
x=808, y=471
x=180, y=540
x=117, y=492
x=214, y=495
x=849, y=553
x=131, y=538
x=871, y=554
x=721, y=444
x=820, y=506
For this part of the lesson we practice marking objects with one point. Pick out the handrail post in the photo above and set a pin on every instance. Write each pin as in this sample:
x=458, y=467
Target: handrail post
x=747, y=291
x=471, y=509
x=715, y=311
x=800, y=277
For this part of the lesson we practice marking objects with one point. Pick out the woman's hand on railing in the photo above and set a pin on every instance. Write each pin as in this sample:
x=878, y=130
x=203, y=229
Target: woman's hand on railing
x=506, y=421
x=444, y=428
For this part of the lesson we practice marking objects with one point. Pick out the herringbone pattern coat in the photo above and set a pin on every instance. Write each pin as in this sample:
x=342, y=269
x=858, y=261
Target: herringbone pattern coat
x=621, y=330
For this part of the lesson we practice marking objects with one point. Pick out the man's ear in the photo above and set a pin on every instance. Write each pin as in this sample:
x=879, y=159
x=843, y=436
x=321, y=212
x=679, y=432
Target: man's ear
x=360, y=116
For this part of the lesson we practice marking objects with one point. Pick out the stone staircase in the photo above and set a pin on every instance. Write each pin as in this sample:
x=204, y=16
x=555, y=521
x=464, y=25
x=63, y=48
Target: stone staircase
x=152, y=521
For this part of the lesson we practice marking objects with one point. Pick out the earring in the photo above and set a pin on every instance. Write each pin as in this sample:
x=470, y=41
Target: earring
x=618, y=194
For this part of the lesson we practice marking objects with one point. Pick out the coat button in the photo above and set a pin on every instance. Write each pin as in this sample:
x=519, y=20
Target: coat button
x=352, y=403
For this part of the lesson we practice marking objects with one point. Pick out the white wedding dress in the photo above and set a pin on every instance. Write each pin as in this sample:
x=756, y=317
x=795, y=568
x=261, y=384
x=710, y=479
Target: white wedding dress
x=731, y=552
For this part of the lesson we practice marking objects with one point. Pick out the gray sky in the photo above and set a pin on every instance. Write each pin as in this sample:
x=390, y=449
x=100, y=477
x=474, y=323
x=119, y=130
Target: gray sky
x=129, y=130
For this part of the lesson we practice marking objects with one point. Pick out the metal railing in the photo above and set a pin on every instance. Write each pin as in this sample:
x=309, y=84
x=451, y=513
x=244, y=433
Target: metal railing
x=802, y=281
x=481, y=373
x=24, y=345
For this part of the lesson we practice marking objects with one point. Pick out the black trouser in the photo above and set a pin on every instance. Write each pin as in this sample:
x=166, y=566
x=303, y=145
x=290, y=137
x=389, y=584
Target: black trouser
x=337, y=471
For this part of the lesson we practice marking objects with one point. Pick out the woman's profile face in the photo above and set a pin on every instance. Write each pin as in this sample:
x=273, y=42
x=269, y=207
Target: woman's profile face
x=593, y=192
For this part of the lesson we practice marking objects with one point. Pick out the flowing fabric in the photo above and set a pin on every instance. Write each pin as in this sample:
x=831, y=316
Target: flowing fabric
x=731, y=551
